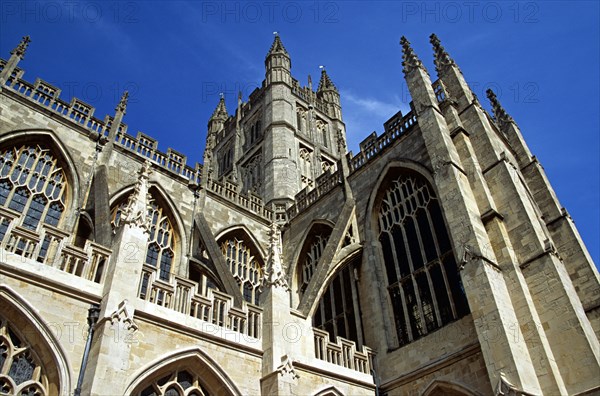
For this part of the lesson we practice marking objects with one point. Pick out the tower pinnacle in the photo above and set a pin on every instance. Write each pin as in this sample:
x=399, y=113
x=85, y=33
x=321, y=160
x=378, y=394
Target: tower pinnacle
x=441, y=58
x=122, y=106
x=22, y=47
x=500, y=114
x=325, y=83
x=278, y=64
x=410, y=60
x=220, y=111
x=277, y=46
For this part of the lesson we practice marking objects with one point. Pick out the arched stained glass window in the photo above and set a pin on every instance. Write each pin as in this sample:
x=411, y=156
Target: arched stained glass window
x=32, y=183
x=423, y=281
x=245, y=266
x=178, y=383
x=20, y=370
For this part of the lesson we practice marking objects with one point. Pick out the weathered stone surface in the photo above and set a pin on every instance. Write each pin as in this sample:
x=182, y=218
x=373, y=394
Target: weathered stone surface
x=182, y=305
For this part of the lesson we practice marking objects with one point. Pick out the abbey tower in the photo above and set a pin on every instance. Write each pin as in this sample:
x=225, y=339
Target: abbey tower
x=435, y=261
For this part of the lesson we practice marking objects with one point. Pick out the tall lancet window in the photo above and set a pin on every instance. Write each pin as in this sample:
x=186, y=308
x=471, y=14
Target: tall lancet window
x=32, y=183
x=423, y=281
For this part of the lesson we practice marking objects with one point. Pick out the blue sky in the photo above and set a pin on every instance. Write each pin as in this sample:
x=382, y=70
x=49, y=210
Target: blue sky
x=542, y=59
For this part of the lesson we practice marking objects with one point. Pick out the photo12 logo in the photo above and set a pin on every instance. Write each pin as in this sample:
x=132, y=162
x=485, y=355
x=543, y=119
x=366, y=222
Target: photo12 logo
x=469, y=11
x=69, y=11
x=270, y=11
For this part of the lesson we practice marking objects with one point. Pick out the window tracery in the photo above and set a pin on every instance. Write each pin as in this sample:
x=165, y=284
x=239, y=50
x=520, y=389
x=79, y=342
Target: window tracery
x=32, y=183
x=338, y=312
x=252, y=174
x=245, y=267
x=306, y=177
x=311, y=259
x=327, y=165
x=21, y=372
x=322, y=127
x=178, y=383
x=423, y=280
x=301, y=119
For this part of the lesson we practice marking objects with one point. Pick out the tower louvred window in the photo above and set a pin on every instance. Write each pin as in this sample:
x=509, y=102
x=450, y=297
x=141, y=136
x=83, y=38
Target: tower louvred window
x=32, y=183
x=423, y=281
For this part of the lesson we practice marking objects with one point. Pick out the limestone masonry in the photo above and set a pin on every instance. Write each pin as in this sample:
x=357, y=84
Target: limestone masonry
x=435, y=261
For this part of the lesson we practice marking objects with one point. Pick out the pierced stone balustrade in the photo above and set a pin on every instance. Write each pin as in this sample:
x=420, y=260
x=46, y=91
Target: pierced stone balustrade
x=46, y=95
x=72, y=260
x=342, y=353
x=305, y=198
x=49, y=247
x=22, y=242
x=184, y=295
x=394, y=129
x=228, y=191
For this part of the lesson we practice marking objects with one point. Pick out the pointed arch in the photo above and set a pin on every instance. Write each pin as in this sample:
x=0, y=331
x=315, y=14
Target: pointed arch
x=446, y=388
x=414, y=255
x=329, y=391
x=249, y=235
x=24, y=317
x=164, y=198
x=318, y=228
x=47, y=140
x=336, y=307
x=244, y=259
x=194, y=360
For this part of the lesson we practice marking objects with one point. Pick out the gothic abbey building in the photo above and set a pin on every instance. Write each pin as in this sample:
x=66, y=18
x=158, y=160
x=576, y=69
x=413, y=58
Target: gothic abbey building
x=435, y=261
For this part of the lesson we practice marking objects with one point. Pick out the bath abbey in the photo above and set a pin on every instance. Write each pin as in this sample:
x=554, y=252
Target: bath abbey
x=436, y=260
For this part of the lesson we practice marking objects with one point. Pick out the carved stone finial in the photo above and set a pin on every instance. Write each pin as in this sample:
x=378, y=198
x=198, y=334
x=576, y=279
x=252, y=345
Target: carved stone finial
x=500, y=115
x=122, y=106
x=410, y=60
x=274, y=273
x=22, y=47
x=136, y=211
x=505, y=388
x=124, y=314
x=441, y=59
x=287, y=368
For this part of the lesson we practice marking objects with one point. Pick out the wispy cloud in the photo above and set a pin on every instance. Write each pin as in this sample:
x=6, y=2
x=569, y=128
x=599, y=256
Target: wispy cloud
x=363, y=115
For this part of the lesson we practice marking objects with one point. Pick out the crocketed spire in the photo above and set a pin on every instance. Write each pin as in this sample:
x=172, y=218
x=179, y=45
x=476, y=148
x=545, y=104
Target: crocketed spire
x=410, y=60
x=441, y=58
x=325, y=83
x=500, y=115
x=122, y=106
x=221, y=110
x=22, y=47
x=277, y=46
